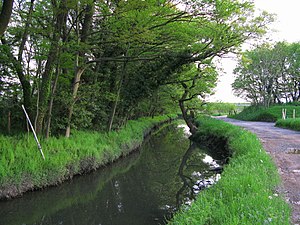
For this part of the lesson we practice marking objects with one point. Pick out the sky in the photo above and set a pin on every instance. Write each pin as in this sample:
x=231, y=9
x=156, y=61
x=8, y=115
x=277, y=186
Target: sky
x=286, y=28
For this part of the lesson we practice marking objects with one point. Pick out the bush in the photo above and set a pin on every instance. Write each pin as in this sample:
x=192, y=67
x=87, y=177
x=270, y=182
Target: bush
x=266, y=117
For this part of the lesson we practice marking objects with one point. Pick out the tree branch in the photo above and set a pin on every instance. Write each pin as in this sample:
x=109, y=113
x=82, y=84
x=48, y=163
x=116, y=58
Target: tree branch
x=123, y=59
x=5, y=15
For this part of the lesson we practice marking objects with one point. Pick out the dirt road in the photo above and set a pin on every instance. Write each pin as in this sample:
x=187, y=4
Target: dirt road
x=284, y=147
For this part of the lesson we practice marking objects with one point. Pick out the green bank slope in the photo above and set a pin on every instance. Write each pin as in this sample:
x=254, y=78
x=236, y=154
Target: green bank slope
x=22, y=168
x=271, y=114
x=246, y=192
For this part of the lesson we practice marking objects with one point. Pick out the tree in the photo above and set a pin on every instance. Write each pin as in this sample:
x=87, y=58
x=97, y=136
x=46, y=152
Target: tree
x=96, y=64
x=82, y=37
x=269, y=74
x=59, y=19
x=225, y=26
x=290, y=87
x=192, y=83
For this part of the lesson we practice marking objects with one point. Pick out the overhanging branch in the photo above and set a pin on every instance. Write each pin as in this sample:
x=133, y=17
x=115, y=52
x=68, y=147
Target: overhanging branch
x=123, y=59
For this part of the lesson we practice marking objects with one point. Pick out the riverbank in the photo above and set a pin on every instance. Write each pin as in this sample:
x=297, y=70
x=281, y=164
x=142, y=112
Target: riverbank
x=246, y=193
x=22, y=168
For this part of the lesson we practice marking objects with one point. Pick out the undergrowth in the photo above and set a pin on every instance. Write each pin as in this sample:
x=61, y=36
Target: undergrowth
x=21, y=165
x=246, y=192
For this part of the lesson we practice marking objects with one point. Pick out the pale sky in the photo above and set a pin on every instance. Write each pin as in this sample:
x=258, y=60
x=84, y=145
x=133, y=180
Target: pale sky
x=287, y=29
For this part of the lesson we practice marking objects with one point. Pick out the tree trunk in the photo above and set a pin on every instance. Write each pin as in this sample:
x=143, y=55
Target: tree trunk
x=60, y=21
x=9, y=122
x=185, y=97
x=113, y=112
x=51, y=102
x=188, y=121
x=78, y=74
x=89, y=11
x=25, y=34
x=45, y=87
x=26, y=86
x=5, y=15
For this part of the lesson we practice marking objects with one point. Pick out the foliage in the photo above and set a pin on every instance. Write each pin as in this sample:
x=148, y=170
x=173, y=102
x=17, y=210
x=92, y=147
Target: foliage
x=245, y=193
x=293, y=124
x=96, y=64
x=271, y=114
x=83, y=151
x=269, y=74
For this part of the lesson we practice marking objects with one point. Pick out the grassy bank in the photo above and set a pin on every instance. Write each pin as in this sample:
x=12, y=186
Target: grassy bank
x=74, y=193
x=246, y=192
x=271, y=114
x=293, y=124
x=23, y=169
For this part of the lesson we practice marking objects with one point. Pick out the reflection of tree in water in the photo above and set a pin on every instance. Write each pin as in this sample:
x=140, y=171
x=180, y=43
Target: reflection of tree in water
x=197, y=171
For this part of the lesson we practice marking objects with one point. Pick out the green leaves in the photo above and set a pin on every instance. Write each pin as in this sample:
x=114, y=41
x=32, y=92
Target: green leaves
x=126, y=49
x=269, y=74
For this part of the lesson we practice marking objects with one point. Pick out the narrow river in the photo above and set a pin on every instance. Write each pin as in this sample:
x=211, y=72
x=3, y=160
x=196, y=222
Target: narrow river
x=146, y=187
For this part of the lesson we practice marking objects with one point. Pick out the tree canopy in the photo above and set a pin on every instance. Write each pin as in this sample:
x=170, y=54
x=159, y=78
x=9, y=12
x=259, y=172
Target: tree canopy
x=269, y=74
x=95, y=64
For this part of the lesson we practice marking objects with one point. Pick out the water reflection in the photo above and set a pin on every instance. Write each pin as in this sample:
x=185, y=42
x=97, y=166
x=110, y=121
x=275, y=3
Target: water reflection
x=197, y=172
x=144, y=188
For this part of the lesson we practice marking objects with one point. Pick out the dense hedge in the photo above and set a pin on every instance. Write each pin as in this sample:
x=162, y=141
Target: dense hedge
x=246, y=192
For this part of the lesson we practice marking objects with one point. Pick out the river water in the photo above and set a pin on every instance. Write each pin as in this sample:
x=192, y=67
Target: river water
x=145, y=188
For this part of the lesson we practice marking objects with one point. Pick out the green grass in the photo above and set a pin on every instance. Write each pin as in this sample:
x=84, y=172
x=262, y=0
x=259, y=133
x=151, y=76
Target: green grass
x=271, y=114
x=293, y=124
x=246, y=192
x=22, y=167
x=75, y=194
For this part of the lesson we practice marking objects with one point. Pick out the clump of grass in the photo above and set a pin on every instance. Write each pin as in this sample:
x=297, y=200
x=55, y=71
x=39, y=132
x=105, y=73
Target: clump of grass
x=246, y=192
x=271, y=114
x=293, y=124
x=22, y=167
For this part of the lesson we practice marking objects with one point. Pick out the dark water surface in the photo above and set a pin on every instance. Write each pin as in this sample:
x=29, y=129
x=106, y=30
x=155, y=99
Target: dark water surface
x=144, y=188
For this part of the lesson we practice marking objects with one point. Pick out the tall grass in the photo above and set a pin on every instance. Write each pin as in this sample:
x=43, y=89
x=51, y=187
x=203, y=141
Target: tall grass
x=246, y=192
x=293, y=124
x=22, y=168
